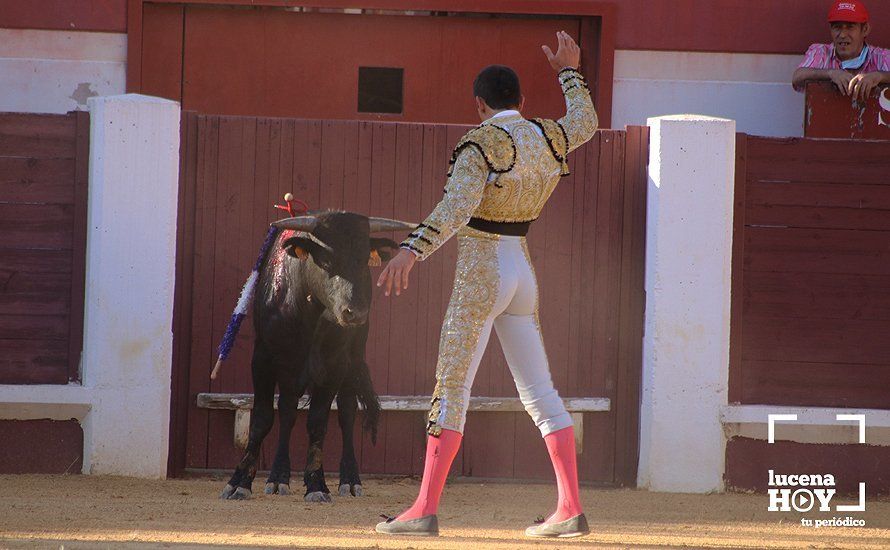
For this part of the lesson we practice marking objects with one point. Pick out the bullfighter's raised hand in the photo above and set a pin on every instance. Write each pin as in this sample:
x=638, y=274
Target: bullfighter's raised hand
x=568, y=54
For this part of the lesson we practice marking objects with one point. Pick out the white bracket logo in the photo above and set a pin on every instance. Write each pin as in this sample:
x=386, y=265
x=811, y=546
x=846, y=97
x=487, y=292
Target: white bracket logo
x=780, y=498
x=860, y=418
x=772, y=418
x=771, y=424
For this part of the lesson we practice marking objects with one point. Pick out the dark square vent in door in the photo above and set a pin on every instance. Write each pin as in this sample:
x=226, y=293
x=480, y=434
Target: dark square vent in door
x=380, y=89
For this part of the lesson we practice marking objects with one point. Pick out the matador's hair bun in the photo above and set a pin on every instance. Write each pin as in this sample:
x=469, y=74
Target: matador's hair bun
x=498, y=86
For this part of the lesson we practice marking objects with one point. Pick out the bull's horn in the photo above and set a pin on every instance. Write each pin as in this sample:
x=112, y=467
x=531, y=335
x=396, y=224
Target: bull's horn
x=379, y=225
x=297, y=223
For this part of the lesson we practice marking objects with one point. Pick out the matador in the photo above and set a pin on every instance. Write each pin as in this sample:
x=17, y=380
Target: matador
x=500, y=177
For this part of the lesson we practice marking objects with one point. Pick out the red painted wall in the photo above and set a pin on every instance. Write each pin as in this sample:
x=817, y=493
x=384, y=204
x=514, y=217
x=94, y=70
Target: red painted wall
x=74, y=15
x=758, y=26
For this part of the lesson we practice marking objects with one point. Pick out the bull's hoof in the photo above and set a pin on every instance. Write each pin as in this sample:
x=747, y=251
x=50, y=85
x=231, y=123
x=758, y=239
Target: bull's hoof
x=240, y=494
x=317, y=496
x=354, y=490
x=282, y=489
x=227, y=492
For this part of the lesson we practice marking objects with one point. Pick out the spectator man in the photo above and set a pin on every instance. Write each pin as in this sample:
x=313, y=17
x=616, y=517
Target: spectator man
x=856, y=68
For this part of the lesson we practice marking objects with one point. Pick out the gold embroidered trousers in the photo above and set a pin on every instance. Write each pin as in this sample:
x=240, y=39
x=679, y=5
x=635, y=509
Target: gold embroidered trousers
x=494, y=286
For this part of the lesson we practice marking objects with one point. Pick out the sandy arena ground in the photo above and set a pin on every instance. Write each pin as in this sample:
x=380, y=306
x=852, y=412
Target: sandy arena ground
x=80, y=512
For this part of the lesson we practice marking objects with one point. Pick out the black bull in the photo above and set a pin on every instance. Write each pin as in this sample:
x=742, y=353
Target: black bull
x=310, y=315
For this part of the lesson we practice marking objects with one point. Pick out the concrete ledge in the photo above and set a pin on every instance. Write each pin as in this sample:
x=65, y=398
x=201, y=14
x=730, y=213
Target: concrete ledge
x=50, y=402
x=813, y=424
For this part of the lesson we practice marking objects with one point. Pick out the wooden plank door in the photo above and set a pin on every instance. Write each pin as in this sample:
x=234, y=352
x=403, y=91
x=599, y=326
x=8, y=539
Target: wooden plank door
x=587, y=247
x=273, y=61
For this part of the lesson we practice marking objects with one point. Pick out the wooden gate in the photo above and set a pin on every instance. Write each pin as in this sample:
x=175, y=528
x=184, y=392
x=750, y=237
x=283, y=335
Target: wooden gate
x=587, y=246
x=810, y=299
x=811, y=273
x=318, y=59
x=43, y=210
x=43, y=198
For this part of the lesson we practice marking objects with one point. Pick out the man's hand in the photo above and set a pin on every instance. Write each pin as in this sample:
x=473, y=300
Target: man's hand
x=862, y=85
x=568, y=54
x=841, y=79
x=396, y=271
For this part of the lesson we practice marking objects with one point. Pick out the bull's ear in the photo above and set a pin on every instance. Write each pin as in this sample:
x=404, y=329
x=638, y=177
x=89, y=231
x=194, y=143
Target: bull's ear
x=298, y=253
x=298, y=247
x=381, y=250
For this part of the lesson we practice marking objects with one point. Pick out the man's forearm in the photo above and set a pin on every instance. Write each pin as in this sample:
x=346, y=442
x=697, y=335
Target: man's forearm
x=802, y=74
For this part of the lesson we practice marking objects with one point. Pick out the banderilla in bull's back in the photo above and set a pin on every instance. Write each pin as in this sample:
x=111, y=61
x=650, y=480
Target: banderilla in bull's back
x=293, y=207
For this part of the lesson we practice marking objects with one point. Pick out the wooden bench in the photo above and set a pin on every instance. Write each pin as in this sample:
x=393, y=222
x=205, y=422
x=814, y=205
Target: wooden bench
x=242, y=403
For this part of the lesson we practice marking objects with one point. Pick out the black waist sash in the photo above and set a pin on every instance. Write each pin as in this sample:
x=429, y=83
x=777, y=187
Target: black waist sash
x=513, y=229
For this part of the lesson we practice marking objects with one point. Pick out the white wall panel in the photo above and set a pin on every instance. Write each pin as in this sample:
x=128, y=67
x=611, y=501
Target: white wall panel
x=57, y=71
x=752, y=89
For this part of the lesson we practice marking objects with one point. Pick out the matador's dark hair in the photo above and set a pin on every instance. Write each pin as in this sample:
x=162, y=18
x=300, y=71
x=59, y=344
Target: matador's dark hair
x=498, y=86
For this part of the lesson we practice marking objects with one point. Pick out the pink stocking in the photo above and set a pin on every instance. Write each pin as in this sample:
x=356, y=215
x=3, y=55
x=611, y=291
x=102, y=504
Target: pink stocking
x=561, y=446
x=440, y=453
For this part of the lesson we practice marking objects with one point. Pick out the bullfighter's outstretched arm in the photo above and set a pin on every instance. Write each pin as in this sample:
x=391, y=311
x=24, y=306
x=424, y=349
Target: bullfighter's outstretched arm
x=580, y=120
x=463, y=193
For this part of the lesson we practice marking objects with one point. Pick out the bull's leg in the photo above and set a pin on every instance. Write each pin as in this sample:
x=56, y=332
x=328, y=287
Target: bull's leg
x=241, y=482
x=356, y=386
x=317, y=425
x=279, y=476
x=350, y=484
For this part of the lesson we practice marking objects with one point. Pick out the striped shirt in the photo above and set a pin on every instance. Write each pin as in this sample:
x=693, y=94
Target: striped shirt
x=821, y=56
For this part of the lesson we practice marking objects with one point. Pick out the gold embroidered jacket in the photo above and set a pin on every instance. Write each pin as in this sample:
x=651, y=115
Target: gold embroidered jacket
x=504, y=170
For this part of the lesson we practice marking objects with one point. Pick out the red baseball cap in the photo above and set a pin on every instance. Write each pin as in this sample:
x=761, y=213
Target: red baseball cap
x=852, y=11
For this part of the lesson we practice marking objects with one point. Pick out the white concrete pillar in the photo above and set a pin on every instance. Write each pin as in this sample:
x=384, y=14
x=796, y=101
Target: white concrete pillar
x=686, y=341
x=131, y=250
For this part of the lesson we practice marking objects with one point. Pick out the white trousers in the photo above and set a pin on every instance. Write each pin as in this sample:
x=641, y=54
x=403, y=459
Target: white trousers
x=495, y=286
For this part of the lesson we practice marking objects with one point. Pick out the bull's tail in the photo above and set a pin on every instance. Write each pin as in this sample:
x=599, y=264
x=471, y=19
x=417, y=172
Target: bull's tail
x=367, y=398
x=358, y=386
